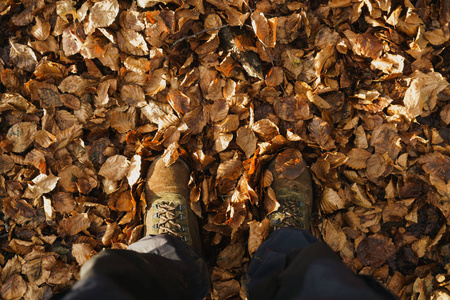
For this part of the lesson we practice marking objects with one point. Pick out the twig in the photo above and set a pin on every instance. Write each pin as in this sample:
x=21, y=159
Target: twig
x=246, y=3
x=197, y=34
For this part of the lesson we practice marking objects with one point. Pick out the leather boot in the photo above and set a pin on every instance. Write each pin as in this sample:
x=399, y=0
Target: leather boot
x=168, y=207
x=295, y=199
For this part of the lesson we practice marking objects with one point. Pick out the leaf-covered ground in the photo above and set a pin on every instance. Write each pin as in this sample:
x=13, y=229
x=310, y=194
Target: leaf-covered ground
x=93, y=91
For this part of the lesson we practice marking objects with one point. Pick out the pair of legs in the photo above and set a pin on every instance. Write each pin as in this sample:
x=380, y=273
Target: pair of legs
x=290, y=264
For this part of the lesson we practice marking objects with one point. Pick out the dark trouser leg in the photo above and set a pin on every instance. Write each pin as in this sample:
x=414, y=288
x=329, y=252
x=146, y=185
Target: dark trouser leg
x=155, y=267
x=292, y=264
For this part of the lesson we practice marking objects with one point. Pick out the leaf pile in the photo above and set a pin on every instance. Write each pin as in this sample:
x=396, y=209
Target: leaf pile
x=93, y=91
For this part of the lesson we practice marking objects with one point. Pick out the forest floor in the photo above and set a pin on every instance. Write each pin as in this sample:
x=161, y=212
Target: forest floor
x=93, y=91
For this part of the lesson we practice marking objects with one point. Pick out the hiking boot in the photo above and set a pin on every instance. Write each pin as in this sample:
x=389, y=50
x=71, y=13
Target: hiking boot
x=168, y=207
x=295, y=199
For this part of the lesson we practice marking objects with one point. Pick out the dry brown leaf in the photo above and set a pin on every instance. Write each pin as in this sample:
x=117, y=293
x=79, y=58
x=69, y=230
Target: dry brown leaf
x=365, y=44
x=6, y=163
x=229, y=124
x=221, y=141
x=385, y=139
x=334, y=237
x=63, y=202
x=22, y=56
x=374, y=250
x=132, y=42
x=41, y=30
x=134, y=173
x=246, y=139
x=331, y=201
x=77, y=223
x=292, y=108
x=292, y=61
x=321, y=130
x=171, y=154
x=420, y=98
x=359, y=196
x=103, y=13
x=266, y=129
x=267, y=178
x=437, y=36
x=389, y=63
x=230, y=169
x=68, y=177
x=71, y=42
x=94, y=47
x=41, y=184
x=219, y=110
x=75, y=85
x=65, y=137
x=11, y=101
x=270, y=201
x=14, y=287
x=82, y=252
x=226, y=289
x=21, y=135
x=376, y=166
x=231, y=256
x=115, y=168
x=275, y=77
x=258, y=233
x=179, y=102
x=290, y=164
x=436, y=163
x=133, y=95
x=321, y=169
x=357, y=158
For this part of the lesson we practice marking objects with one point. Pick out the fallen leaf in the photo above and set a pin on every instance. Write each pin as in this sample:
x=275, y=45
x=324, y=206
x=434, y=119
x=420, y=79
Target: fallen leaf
x=420, y=98
x=103, y=13
x=42, y=184
x=82, y=252
x=375, y=249
x=334, y=237
x=321, y=130
x=266, y=129
x=21, y=135
x=77, y=223
x=231, y=256
x=290, y=164
x=14, y=288
x=22, y=56
x=292, y=108
x=115, y=168
x=246, y=139
x=331, y=201
x=134, y=173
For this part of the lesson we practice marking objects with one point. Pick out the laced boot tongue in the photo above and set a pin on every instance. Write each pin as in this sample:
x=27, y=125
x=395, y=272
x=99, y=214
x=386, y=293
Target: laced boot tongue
x=293, y=212
x=169, y=215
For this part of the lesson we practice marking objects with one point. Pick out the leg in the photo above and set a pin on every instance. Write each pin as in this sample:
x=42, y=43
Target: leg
x=158, y=267
x=292, y=264
x=162, y=265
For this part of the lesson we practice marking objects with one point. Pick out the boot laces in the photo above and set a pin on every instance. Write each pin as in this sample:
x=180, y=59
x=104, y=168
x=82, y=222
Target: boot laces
x=168, y=214
x=291, y=212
